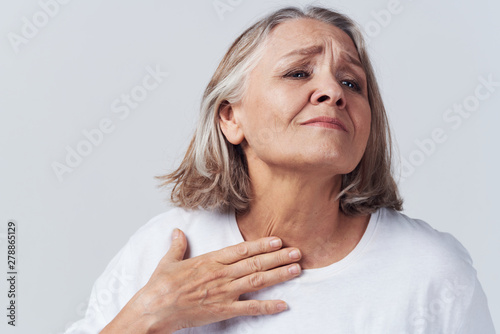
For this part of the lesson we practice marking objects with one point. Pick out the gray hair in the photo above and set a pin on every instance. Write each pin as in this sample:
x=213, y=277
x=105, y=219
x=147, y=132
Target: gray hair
x=214, y=172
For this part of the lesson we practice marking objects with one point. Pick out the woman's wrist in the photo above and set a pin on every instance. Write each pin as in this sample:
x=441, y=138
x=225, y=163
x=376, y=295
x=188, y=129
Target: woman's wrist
x=134, y=318
x=127, y=323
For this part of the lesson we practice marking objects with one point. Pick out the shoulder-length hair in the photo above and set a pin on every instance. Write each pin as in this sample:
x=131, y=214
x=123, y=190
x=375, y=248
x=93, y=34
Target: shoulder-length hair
x=214, y=172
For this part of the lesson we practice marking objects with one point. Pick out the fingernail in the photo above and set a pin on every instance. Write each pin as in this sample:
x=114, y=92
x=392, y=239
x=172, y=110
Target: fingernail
x=275, y=243
x=294, y=270
x=281, y=306
x=176, y=234
x=295, y=254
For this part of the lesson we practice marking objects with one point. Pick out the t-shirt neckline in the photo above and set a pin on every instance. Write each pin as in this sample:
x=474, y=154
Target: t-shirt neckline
x=318, y=273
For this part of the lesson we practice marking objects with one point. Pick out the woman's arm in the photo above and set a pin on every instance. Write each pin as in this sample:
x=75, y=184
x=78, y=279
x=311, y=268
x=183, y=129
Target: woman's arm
x=206, y=289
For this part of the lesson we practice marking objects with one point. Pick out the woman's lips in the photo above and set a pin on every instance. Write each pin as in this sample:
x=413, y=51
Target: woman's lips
x=326, y=122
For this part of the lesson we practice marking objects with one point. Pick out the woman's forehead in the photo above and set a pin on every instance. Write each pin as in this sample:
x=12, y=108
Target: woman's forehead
x=302, y=36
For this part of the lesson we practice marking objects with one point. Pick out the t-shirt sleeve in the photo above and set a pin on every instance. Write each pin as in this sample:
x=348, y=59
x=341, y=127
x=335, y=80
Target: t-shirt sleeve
x=474, y=314
x=454, y=301
x=127, y=272
x=477, y=318
x=110, y=292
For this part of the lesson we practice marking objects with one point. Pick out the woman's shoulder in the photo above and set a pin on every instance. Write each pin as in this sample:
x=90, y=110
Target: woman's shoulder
x=176, y=217
x=418, y=240
x=432, y=267
x=145, y=248
x=427, y=260
x=205, y=230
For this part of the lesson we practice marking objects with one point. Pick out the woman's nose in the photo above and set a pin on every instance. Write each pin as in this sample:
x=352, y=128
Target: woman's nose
x=329, y=91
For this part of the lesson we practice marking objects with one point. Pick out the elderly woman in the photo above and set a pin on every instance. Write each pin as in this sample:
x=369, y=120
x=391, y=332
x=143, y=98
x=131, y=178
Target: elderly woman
x=286, y=197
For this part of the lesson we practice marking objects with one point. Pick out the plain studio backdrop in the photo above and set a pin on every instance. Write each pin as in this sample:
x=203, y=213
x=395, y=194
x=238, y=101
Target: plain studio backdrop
x=99, y=97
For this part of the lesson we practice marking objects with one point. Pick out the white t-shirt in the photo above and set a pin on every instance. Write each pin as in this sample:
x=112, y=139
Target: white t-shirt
x=402, y=277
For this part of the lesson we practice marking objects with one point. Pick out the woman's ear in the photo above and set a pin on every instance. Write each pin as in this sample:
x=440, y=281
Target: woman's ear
x=229, y=125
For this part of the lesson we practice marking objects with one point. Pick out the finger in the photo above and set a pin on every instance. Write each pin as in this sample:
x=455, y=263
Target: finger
x=247, y=249
x=177, y=248
x=265, y=262
x=263, y=279
x=257, y=307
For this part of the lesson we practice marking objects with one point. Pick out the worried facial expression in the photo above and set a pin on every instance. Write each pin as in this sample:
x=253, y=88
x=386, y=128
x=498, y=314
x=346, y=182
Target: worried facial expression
x=306, y=103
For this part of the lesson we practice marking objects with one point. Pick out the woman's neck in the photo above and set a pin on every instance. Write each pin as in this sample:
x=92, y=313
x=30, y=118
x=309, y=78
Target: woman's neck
x=304, y=213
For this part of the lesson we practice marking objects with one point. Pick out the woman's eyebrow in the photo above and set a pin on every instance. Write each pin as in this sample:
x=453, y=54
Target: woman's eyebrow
x=351, y=59
x=317, y=49
x=308, y=51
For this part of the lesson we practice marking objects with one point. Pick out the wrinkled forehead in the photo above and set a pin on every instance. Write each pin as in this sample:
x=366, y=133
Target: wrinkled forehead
x=308, y=36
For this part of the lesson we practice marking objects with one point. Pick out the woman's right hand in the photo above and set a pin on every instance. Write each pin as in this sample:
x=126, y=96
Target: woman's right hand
x=206, y=289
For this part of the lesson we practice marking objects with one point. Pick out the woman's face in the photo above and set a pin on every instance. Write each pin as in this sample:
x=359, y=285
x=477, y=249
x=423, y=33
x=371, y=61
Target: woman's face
x=309, y=70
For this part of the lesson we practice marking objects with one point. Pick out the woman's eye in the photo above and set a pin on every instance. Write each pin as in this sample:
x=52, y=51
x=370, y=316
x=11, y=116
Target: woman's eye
x=351, y=84
x=298, y=74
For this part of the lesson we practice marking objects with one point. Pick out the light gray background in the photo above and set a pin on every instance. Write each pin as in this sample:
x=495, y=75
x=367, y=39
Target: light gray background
x=64, y=79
